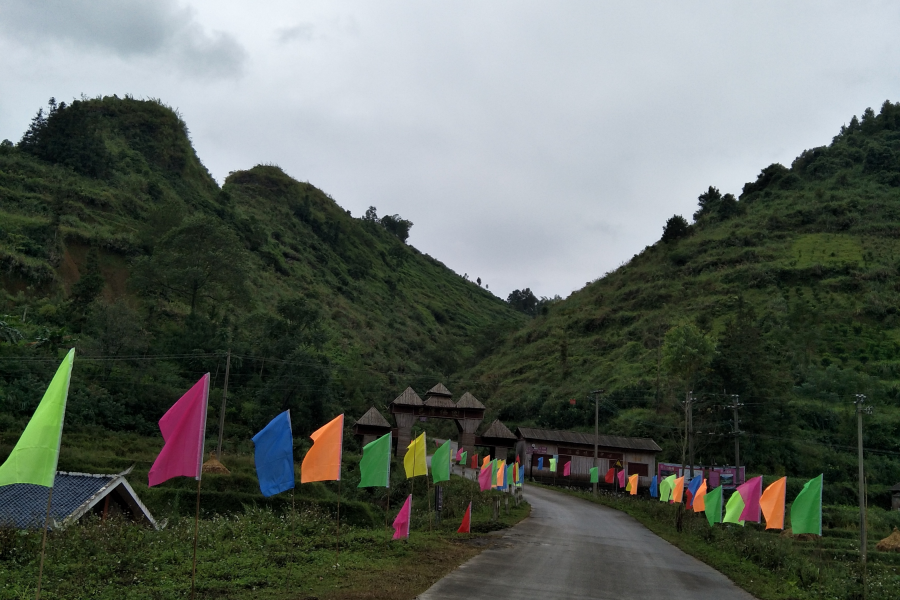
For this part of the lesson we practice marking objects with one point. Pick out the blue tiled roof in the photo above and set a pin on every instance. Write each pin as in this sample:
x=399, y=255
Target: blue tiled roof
x=25, y=505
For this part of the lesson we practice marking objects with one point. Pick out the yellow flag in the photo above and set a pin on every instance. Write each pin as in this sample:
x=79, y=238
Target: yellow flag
x=414, y=461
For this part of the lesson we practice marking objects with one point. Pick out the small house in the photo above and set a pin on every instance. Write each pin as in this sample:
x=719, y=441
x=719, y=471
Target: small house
x=634, y=455
x=24, y=505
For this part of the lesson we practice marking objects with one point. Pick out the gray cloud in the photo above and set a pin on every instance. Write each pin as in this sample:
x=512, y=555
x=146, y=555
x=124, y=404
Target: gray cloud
x=160, y=29
x=301, y=32
x=533, y=144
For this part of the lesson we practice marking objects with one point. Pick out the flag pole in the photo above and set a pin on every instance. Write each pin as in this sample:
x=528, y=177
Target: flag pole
x=44, y=543
x=293, y=535
x=339, y=521
x=196, y=534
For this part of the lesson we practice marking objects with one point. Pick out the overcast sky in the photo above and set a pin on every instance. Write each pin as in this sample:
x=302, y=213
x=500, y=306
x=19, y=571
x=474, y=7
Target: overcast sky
x=532, y=143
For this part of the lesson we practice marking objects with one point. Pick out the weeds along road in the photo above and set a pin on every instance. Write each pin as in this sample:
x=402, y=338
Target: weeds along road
x=573, y=549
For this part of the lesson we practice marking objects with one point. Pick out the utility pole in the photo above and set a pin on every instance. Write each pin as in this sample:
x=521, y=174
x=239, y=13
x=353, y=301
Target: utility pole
x=596, y=431
x=222, y=410
x=860, y=400
x=690, y=426
x=736, y=430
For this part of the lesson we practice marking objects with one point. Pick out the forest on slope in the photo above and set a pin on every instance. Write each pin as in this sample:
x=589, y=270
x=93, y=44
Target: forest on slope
x=116, y=240
x=786, y=296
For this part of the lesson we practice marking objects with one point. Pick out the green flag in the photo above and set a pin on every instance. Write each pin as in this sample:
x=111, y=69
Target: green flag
x=34, y=458
x=595, y=474
x=734, y=508
x=665, y=488
x=553, y=465
x=463, y=458
x=806, y=511
x=494, y=468
x=440, y=463
x=713, y=500
x=375, y=466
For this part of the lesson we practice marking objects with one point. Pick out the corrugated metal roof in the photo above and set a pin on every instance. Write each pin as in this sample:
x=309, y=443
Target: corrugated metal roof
x=409, y=397
x=498, y=430
x=373, y=418
x=469, y=401
x=24, y=505
x=438, y=390
x=574, y=437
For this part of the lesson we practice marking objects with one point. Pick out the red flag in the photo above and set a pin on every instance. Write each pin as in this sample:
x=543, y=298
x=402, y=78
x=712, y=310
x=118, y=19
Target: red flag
x=401, y=523
x=466, y=526
x=572, y=401
x=183, y=428
x=611, y=475
x=474, y=461
x=517, y=458
x=567, y=469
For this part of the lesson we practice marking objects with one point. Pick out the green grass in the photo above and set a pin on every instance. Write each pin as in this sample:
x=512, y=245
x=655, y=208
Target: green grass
x=772, y=566
x=251, y=555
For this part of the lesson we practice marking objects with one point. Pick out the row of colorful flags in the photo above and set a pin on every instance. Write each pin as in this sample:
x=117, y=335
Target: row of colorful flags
x=35, y=457
x=748, y=503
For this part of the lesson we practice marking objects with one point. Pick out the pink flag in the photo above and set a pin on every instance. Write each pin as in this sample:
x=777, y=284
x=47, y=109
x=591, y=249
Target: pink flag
x=183, y=428
x=621, y=476
x=401, y=523
x=750, y=493
x=484, y=478
x=459, y=455
x=567, y=470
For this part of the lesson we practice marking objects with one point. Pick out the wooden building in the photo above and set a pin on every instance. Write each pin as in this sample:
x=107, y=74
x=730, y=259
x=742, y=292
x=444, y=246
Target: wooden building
x=635, y=455
x=371, y=426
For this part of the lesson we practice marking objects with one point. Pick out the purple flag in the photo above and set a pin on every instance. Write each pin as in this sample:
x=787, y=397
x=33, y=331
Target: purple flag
x=750, y=493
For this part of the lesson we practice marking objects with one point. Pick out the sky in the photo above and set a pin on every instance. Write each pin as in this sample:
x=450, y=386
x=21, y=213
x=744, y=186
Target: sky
x=532, y=144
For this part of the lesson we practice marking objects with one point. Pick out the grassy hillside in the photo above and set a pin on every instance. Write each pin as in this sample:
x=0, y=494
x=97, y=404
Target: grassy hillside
x=115, y=239
x=795, y=285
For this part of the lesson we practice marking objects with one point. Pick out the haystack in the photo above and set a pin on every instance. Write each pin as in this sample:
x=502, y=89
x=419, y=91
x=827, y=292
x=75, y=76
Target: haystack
x=214, y=466
x=891, y=543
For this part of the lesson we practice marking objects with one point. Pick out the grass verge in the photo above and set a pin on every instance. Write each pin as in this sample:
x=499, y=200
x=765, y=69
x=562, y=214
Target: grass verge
x=248, y=555
x=768, y=564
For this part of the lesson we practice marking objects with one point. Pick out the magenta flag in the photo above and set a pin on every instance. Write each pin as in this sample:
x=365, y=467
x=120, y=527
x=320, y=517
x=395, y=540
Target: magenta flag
x=750, y=493
x=459, y=454
x=183, y=429
x=567, y=470
x=484, y=478
x=401, y=523
x=621, y=476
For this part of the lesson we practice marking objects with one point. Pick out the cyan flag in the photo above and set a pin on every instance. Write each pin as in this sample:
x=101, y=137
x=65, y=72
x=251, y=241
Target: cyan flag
x=274, y=455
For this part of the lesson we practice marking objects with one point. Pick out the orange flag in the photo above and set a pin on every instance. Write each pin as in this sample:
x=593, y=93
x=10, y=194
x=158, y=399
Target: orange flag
x=700, y=498
x=772, y=504
x=486, y=461
x=323, y=461
x=633, y=484
x=678, y=492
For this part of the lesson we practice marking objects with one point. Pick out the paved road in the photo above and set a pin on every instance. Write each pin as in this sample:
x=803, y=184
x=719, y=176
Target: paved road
x=573, y=549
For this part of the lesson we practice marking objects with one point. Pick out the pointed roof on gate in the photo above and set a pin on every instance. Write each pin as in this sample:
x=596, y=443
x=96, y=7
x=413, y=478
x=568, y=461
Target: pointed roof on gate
x=373, y=418
x=408, y=398
x=498, y=430
x=469, y=401
x=438, y=390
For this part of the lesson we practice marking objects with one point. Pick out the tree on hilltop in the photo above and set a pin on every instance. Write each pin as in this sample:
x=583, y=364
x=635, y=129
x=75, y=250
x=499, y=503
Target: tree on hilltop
x=675, y=228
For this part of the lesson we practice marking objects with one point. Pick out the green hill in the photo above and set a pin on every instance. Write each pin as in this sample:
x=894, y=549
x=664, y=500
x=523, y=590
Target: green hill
x=114, y=238
x=794, y=282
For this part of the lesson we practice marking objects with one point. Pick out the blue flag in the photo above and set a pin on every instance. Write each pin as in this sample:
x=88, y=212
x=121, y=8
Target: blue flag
x=274, y=455
x=541, y=463
x=694, y=485
x=506, y=477
x=654, y=487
